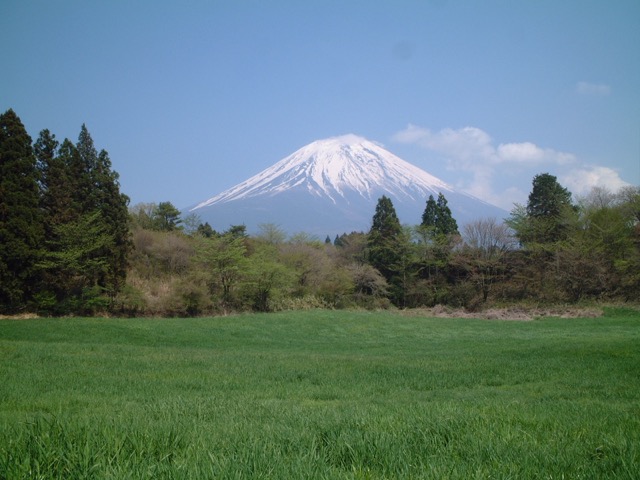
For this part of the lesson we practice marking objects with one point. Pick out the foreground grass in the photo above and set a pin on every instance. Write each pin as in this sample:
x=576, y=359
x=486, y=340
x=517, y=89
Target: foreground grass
x=320, y=395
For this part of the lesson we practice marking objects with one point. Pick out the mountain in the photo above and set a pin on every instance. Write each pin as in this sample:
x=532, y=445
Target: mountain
x=331, y=187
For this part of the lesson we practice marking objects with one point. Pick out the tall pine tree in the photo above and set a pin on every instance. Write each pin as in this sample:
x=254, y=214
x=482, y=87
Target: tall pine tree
x=101, y=194
x=430, y=213
x=69, y=183
x=548, y=210
x=87, y=170
x=86, y=219
x=21, y=230
x=55, y=183
x=445, y=223
x=113, y=206
x=45, y=150
x=437, y=217
x=384, y=237
x=549, y=215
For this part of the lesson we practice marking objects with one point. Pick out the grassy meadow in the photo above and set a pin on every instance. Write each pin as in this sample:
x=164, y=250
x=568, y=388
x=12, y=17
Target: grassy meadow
x=320, y=394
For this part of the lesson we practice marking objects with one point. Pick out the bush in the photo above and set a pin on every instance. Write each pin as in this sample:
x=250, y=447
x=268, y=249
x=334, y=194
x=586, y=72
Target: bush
x=130, y=301
x=308, y=302
x=193, y=296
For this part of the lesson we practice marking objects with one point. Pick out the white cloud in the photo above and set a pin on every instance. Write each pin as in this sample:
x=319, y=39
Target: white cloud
x=527, y=152
x=581, y=180
x=468, y=145
x=411, y=134
x=462, y=148
x=586, y=88
x=480, y=164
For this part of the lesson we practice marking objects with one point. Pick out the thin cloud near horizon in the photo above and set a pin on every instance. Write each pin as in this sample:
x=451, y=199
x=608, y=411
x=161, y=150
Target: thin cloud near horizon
x=596, y=89
x=492, y=171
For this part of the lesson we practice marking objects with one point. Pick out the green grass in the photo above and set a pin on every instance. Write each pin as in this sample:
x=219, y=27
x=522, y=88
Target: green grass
x=320, y=394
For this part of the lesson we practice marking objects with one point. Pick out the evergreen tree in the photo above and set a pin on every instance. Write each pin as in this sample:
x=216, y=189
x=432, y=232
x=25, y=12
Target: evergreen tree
x=385, y=219
x=102, y=195
x=86, y=149
x=547, y=198
x=20, y=220
x=113, y=207
x=45, y=150
x=55, y=182
x=239, y=231
x=205, y=230
x=445, y=223
x=86, y=166
x=71, y=182
x=548, y=213
x=437, y=217
x=81, y=194
x=384, y=238
x=430, y=214
x=166, y=217
x=436, y=237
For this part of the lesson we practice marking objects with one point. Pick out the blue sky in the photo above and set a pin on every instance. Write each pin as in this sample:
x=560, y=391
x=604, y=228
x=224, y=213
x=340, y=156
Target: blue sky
x=192, y=97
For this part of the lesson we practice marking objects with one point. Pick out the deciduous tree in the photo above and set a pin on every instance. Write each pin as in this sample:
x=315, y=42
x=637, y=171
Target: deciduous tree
x=75, y=263
x=225, y=262
x=486, y=243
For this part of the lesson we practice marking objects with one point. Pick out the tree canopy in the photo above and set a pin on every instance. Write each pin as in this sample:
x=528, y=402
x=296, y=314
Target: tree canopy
x=548, y=213
x=63, y=221
x=21, y=229
x=69, y=244
x=438, y=218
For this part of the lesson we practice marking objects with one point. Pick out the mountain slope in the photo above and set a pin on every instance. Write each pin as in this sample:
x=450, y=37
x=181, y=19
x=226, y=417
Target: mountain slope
x=331, y=186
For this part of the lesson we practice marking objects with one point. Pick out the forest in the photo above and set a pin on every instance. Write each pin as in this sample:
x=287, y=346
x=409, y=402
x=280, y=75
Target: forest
x=70, y=244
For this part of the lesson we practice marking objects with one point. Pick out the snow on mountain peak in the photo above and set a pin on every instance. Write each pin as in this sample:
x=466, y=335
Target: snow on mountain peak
x=337, y=168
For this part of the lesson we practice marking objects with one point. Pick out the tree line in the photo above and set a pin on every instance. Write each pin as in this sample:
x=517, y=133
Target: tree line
x=550, y=250
x=64, y=232
x=69, y=244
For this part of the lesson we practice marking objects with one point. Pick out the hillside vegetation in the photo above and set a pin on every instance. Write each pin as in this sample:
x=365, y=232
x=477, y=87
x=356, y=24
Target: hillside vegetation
x=587, y=252
x=70, y=244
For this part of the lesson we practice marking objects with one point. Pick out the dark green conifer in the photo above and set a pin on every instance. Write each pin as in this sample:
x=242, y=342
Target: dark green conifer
x=437, y=217
x=206, y=230
x=547, y=198
x=548, y=210
x=383, y=237
x=76, y=180
x=445, y=223
x=114, y=214
x=56, y=196
x=166, y=217
x=430, y=213
x=81, y=200
x=21, y=230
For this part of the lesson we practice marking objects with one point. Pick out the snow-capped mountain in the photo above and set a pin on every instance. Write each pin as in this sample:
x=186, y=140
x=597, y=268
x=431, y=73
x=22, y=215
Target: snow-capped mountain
x=332, y=186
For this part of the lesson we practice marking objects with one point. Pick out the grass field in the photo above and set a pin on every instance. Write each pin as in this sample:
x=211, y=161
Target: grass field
x=320, y=394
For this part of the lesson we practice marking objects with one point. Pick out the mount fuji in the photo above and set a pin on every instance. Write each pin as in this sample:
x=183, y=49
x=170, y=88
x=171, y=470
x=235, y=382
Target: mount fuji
x=332, y=186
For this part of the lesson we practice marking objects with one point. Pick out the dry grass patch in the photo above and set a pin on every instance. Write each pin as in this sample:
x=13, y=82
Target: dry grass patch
x=520, y=313
x=19, y=316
